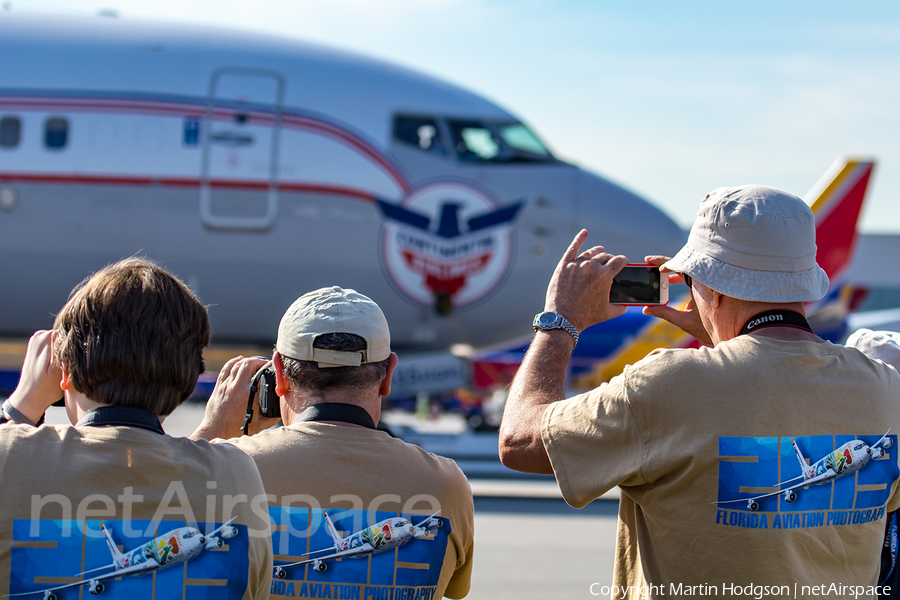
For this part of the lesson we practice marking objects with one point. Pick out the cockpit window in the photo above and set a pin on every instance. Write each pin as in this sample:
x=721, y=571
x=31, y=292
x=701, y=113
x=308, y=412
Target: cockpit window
x=474, y=141
x=421, y=132
x=499, y=142
x=519, y=137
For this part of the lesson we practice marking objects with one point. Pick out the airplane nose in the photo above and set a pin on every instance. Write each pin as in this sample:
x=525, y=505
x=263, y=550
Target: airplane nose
x=628, y=224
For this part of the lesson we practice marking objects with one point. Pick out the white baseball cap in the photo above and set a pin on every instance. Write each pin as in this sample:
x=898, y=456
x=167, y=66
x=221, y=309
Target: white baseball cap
x=333, y=310
x=754, y=243
x=883, y=345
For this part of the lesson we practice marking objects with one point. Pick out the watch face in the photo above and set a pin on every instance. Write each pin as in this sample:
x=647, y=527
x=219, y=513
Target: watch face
x=548, y=319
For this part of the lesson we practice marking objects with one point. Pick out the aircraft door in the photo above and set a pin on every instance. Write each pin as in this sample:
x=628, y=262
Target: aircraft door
x=239, y=169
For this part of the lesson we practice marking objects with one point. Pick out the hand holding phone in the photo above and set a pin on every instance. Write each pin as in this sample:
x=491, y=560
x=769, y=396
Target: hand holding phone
x=684, y=315
x=639, y=285
x=579, y=280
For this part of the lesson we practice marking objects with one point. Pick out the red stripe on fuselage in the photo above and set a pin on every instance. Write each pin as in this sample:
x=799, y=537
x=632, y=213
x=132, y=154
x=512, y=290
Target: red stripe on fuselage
x=199, y=110
x=185, y=182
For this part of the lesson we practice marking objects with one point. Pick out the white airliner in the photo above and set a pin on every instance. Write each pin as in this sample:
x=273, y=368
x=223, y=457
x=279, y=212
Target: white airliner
x=258, y=168
x=172, y=548
x=847, y=459
x=383, y=535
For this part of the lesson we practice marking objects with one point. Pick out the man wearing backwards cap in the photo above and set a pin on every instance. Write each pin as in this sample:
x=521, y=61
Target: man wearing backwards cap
x=330, y=474
x=699, y=439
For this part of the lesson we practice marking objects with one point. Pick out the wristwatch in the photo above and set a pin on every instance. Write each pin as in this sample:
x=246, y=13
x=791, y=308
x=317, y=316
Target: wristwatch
x=553, y=320
x=11, y=413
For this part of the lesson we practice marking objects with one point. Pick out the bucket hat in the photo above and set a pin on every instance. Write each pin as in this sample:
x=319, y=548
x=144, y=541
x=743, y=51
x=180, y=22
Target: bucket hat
x=754, y=243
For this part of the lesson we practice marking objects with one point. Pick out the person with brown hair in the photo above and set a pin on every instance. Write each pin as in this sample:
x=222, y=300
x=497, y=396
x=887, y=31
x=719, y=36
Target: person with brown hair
x=124, y=352
x=339, y=488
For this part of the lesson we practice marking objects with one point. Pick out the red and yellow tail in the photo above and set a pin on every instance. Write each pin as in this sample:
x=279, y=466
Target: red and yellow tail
x=836, y=200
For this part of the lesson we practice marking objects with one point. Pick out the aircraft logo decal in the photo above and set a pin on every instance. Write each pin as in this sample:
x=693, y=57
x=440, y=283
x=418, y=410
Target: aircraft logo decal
x=67, y=553
x=447, y=245
x=315, y=550
x=821, y=495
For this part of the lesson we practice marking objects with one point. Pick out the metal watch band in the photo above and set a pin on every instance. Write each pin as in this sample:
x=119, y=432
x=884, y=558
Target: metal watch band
x=570, y=328
x=561, y=323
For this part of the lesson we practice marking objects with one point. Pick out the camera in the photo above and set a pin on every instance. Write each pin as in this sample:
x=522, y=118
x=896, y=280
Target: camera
x=269, y=404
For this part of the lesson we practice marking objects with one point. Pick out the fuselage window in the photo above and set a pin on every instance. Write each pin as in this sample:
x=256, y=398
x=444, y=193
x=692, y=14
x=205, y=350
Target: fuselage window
x=56, y=133
x=10, y=131
x=421, y=132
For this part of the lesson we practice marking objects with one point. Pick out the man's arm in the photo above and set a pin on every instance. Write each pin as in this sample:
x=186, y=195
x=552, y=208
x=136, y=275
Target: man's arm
x=38, y=386
x=579, y=291
x=539, y=382
x=227, y=404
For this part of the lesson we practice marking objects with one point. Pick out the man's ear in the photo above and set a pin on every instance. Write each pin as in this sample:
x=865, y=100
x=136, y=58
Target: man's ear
x=385, y=388
x=282, y=383
x=65, y=383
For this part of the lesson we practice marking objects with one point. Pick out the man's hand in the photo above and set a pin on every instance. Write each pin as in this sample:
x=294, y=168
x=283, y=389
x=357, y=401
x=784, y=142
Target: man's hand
x=579, y=288
x=688, y=320
x=227, y=404
x=39, y=384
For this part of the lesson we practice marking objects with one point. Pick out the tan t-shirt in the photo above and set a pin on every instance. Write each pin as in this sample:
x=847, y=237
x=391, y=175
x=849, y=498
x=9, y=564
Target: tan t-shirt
x=362, y=478
x=694, y=437
x=60, y=483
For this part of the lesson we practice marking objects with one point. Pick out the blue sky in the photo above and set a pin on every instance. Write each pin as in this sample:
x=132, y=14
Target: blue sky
x=670, y=99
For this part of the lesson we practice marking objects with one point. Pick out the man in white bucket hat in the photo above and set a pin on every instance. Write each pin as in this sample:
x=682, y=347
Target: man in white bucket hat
x=717, y=450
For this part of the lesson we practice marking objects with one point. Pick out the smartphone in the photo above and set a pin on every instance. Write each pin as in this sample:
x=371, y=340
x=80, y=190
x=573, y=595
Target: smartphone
x=639, y=285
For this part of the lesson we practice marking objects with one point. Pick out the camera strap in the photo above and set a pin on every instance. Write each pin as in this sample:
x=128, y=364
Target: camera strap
x=776, y=318
x=248, y=416
x=127, y=416
x=337, y=411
